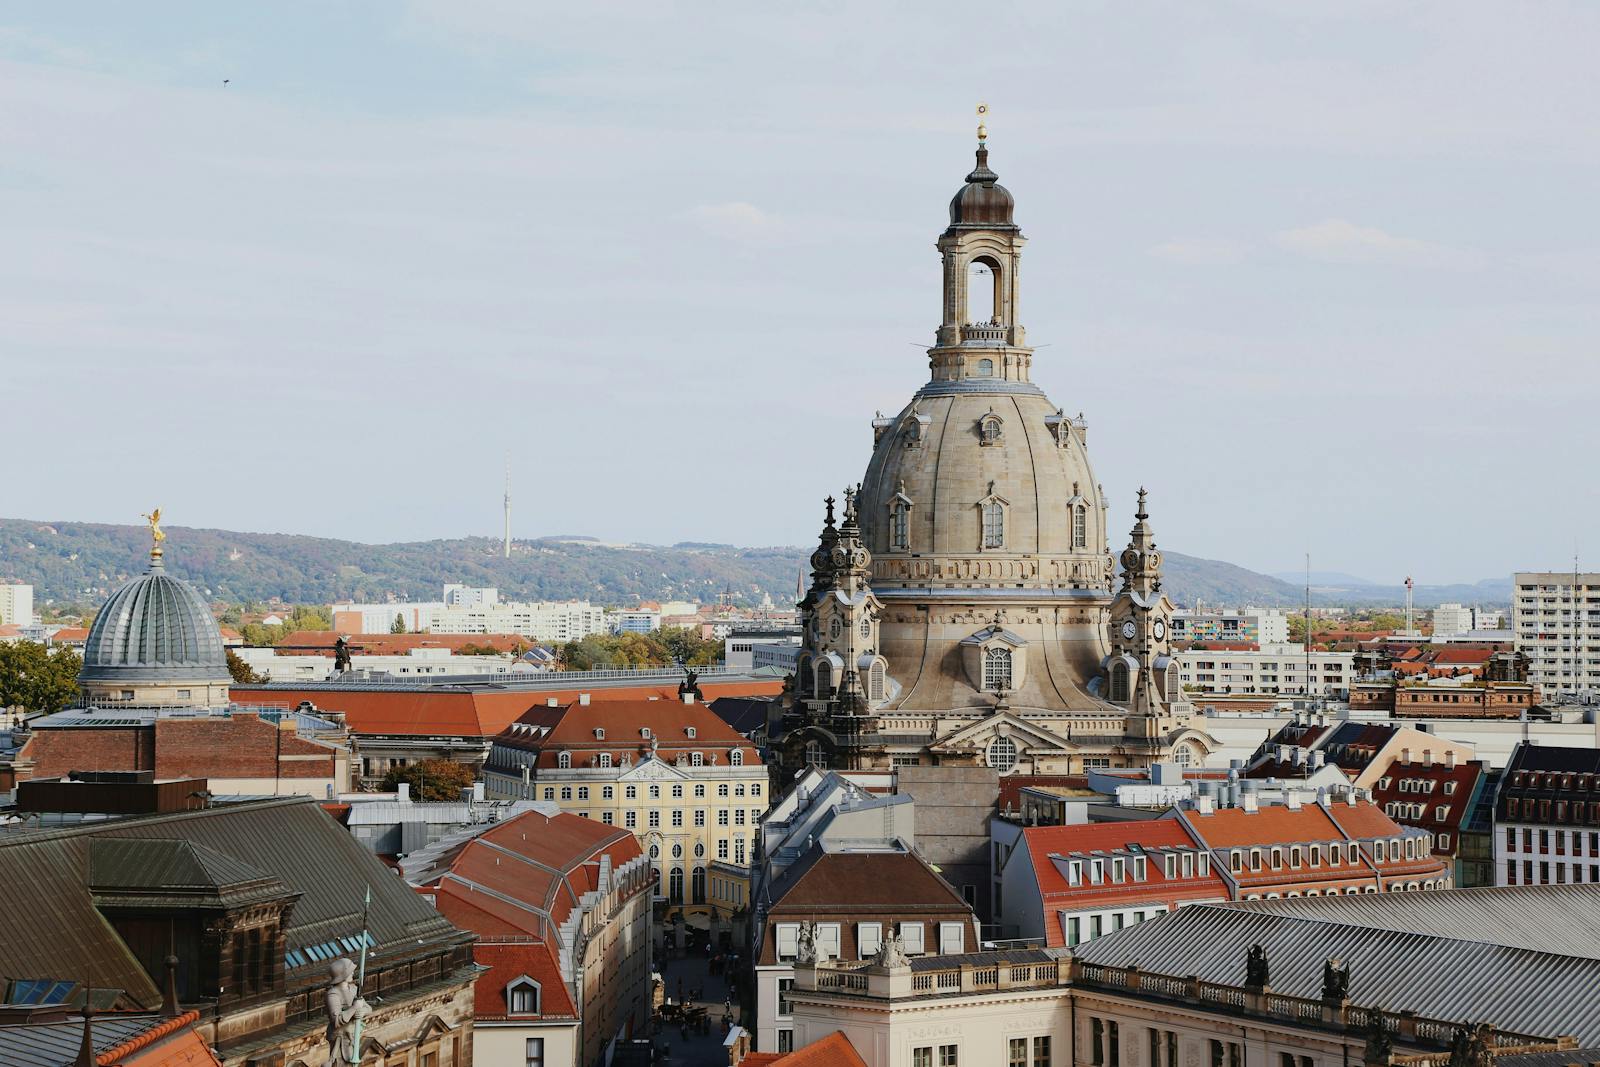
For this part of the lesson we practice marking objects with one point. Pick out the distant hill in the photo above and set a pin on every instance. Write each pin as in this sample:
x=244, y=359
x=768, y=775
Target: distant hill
x=1334, y=587
x=84, y=562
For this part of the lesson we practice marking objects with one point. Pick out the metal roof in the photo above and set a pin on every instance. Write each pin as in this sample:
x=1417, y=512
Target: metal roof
x=1523, y=960
x=155, y=628
x=990, y=958
x=56, y=1044
x=53, y=928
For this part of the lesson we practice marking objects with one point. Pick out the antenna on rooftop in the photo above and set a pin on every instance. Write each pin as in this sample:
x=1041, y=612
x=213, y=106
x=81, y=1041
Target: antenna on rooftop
x=1308, y=630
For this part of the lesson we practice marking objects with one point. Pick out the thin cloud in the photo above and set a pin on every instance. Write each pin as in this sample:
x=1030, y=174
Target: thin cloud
x=737, y=220
x=1342, y=241
x=1201, y=252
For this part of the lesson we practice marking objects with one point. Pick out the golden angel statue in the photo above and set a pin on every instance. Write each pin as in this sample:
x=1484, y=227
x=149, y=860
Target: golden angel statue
x=156, y=534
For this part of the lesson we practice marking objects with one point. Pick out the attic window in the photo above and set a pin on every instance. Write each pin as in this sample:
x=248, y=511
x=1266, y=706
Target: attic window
x=689, y=730
x=644, y=732
x=564, y=760
x=599, y=733
x=522, y=997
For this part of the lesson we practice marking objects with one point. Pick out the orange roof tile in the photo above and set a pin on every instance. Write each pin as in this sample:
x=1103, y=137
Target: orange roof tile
x=458, y=712
x=1273, y=824
x=835, y=1050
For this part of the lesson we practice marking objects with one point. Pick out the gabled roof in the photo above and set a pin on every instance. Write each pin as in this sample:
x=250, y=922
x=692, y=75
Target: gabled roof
x=117, y=1038
x=835, y=1050
x=835, y=882
x=509, y=960
x=1272, y=824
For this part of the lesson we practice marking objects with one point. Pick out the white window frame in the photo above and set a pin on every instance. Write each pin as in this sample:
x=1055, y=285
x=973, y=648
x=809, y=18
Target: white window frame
x=911, y=938
x=952, y=941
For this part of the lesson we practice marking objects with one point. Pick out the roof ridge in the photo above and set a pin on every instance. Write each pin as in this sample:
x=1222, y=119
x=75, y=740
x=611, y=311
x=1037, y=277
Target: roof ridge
x=98, y=827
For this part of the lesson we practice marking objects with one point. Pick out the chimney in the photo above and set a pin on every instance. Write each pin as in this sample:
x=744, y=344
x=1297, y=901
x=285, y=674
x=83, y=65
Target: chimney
x=551, y=702
x=1204, y=805
x=1249, y=802
x=1318, y=759
x=403, y=792
x=688, y=698
x=583, y=700
x=477, y=792
x=1291, y=800
x=1405, y=757
x=169, y=993
x=1450, y=759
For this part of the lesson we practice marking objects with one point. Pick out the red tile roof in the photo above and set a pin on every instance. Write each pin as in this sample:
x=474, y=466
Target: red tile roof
x=456, y=712
x=622, y=724
x=1273, y=824
x=835, y=1050
x=513, y=885
x=1112, y=839
x=321, y=642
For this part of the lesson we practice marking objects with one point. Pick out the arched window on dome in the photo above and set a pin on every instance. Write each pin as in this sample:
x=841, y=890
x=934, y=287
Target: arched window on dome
x=986, y=368
x=1003, y=754
x=804, y=677
x=1080, y=525
x=997, y=669
x=899, y=527
x=875, y=681
x=990, y=429
x=1119, y=683
x=824, y=680
x=1174, y=687
x=994, y=524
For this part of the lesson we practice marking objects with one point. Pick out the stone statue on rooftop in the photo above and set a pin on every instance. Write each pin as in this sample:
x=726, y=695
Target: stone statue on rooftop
x=1380, y=1046
x=891, y=952
x=806, y=952
x=344, y=1007
x=341, y=654
x=1256, y=973
x=1472, y=1048
x=1335, y=979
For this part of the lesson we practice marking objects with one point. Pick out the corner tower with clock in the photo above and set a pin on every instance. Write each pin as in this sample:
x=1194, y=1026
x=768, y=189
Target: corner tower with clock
x=1140, y=673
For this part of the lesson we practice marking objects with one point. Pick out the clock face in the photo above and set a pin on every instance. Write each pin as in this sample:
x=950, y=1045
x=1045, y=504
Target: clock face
x=1129, y=629
x=1161, y=630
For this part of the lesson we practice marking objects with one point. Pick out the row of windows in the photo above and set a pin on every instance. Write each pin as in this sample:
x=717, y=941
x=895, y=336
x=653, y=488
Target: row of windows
x=604, y=759
x=1559, y=837
x=1382, y=850
x=869, y=939
x=631, y=792
x=1561, y=870
x=1076, y=929
x=994, y=525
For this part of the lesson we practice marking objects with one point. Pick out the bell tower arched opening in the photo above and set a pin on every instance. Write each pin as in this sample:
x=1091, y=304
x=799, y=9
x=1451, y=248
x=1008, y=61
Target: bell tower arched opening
x=982, y=297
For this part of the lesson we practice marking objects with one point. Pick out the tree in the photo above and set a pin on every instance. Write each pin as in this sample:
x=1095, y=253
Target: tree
x=431, y=779
x=38, y=679
x=399, y=624
x=242, y=672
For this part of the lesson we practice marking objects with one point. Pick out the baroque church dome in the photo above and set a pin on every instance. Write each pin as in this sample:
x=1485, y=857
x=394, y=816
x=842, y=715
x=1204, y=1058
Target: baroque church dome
x=156, y=628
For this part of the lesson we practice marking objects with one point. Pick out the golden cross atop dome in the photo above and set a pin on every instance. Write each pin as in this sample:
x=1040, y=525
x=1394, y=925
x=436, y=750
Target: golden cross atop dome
x=156, y=534
x=983, y=131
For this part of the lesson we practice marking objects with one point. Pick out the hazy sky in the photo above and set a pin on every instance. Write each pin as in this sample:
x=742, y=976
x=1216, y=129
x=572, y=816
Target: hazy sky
x=1319, y=276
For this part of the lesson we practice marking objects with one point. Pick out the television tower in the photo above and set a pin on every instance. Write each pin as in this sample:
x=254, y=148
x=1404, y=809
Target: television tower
x=508, y=510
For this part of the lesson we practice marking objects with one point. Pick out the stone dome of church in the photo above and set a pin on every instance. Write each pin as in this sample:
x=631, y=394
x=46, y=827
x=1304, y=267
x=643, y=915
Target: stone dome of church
x=156, y=628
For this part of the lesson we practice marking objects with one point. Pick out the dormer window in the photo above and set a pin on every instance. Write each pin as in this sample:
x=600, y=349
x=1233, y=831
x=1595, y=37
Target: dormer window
x=688, y=731
x=696, y=759
x=1080, y=525
x=994, y=524
x=644, y=732
x=989, y=429
x=599, y=733
x=605, y=761
x=522, y=996
x=997, y=669
x=736, y=757
x=564, y=760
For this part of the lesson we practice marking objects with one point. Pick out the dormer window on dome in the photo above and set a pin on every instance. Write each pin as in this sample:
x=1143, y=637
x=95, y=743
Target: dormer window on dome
x=990, y=429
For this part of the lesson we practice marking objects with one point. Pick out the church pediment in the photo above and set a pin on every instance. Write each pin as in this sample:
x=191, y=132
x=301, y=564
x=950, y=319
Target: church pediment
x=979, y=734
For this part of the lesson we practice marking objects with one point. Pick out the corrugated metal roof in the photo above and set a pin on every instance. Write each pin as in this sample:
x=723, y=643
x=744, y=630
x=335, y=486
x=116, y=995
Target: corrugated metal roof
x=1446, y=955
x=56, y=1044
x=991, y=958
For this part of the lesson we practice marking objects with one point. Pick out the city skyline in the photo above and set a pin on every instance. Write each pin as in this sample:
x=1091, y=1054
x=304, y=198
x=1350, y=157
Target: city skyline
x=1332, y=315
